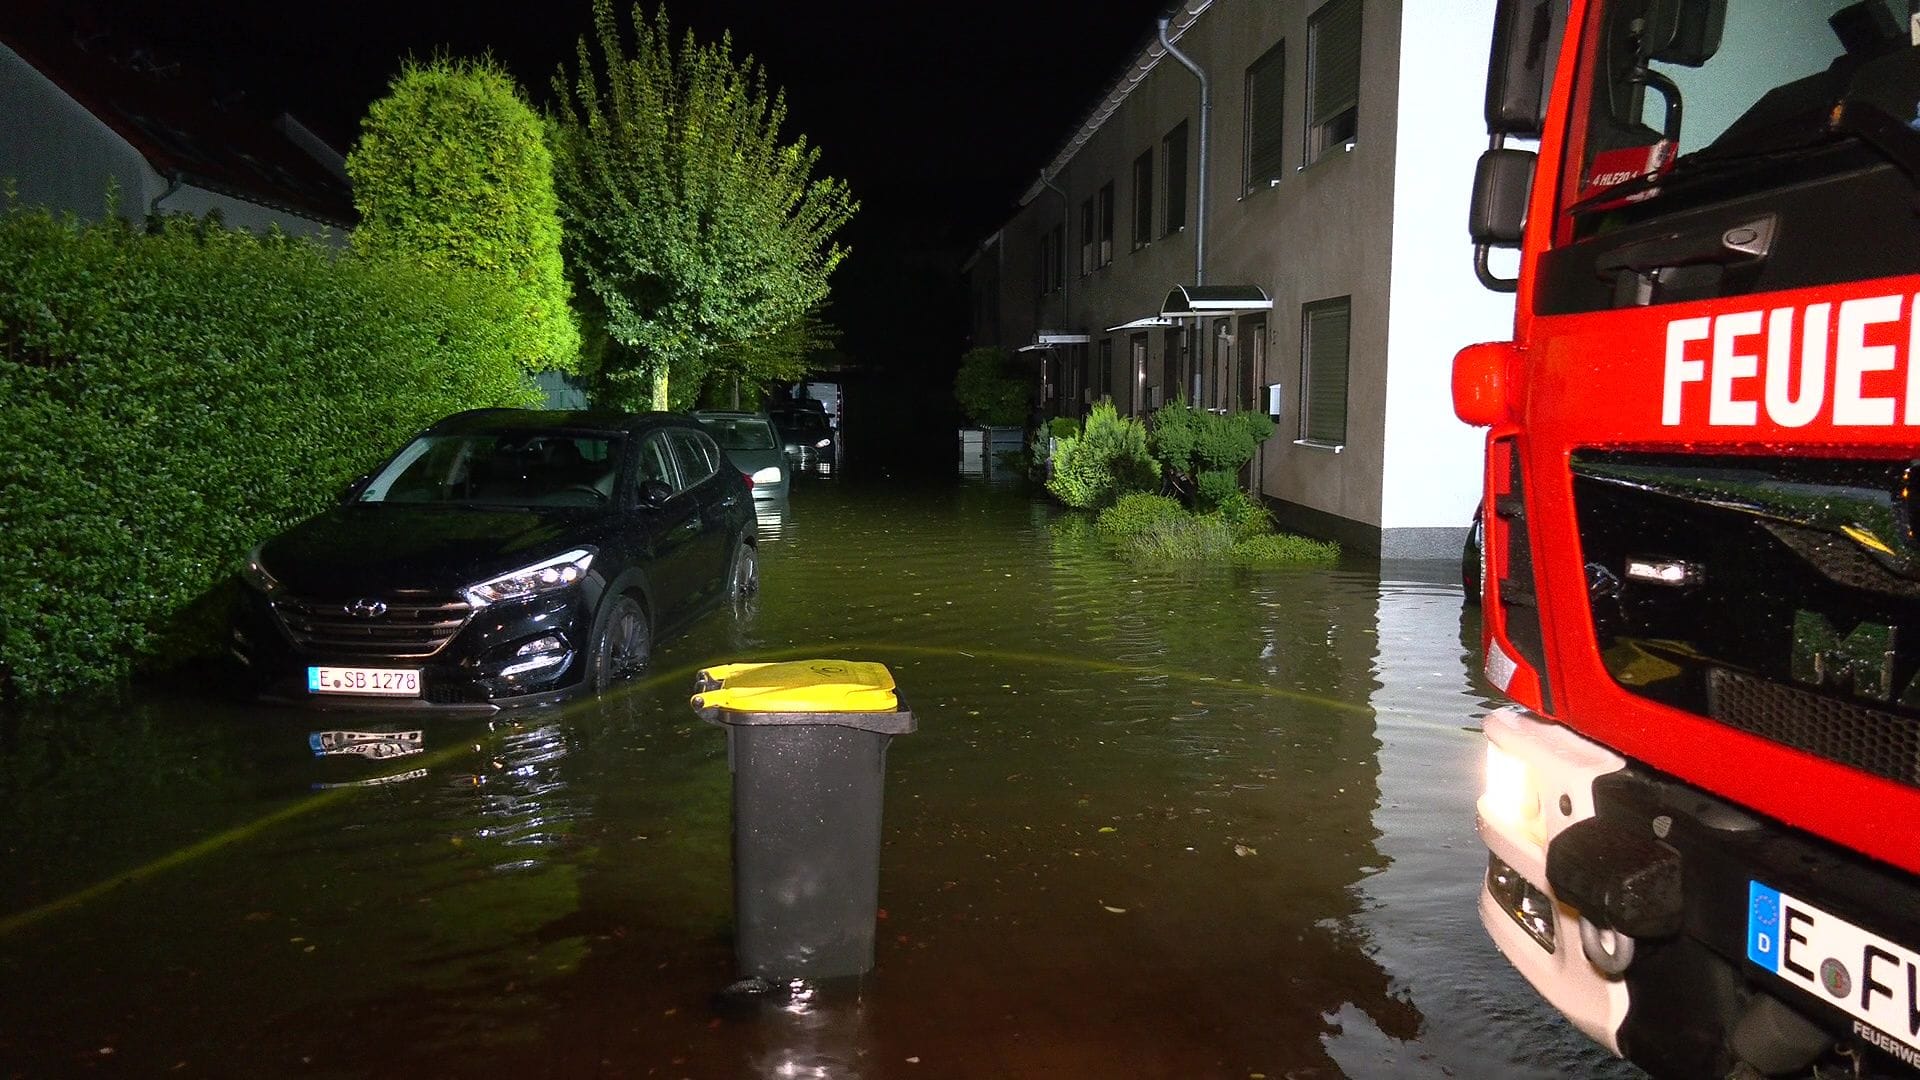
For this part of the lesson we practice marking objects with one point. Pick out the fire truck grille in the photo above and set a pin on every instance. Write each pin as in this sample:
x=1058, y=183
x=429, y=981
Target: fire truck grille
x=405, y=629
x=1867, y=739
x=1778, y=595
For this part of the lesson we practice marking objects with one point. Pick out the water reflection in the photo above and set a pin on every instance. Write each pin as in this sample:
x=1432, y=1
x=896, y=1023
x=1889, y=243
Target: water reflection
x=1157, y=821
x=771, y=517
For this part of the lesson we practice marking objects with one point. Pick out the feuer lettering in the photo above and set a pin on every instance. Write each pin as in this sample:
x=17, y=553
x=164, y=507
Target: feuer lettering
x=1794, y=937
x=1791, y=366
x=1861, y=662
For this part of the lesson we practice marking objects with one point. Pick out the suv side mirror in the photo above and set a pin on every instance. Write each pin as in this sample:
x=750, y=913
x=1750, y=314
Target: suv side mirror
x=1502, y=183
x=352, y=491
x=654, y=494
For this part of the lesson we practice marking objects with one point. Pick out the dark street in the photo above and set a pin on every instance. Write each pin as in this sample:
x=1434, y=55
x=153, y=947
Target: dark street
x=1156, y=822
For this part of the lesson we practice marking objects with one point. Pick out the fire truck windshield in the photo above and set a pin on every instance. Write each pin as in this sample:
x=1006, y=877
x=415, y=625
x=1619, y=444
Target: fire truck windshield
x=1667, y=104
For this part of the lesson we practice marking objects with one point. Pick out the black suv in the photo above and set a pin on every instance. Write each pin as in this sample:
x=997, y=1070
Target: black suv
x=503, y=557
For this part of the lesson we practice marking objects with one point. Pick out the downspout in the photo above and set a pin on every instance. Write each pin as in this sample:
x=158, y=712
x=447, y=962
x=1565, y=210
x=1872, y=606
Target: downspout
x=1066, y=212
x=1206, y=112
x=1066, y=298
x=173, y=185
x=1197, y=343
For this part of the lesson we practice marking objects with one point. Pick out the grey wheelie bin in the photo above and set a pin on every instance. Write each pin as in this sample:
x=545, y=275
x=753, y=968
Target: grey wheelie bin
x=807, y=745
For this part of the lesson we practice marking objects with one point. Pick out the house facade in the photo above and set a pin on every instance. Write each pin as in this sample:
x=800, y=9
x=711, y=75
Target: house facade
x=88, y=111
x=1304, y=254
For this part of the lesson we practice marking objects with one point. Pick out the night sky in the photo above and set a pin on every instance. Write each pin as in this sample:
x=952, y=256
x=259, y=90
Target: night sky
x=939, y=116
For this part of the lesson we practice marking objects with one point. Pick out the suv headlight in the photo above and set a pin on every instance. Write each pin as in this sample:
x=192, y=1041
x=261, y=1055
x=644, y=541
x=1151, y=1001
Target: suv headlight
x=254, y=573
x=559, y=572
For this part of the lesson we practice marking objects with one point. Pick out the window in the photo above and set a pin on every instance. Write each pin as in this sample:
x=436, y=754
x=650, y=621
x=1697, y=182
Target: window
x=1053, y=257
x=1106, y=368
x=1266, y=109
x=656, y=462
x=1106, y=223
x=1173, y=149
x=1086, y=238
x=1324, y=327
x=699, y=458
x=1143, y=200
x=1333, y=77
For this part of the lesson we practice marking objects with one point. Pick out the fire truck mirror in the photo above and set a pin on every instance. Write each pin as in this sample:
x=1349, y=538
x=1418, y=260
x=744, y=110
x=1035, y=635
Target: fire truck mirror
x=1501, y=184
x=1525, y=37
x=1683, y=32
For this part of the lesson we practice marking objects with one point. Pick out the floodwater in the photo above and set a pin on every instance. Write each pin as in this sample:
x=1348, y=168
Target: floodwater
x=1156, y=822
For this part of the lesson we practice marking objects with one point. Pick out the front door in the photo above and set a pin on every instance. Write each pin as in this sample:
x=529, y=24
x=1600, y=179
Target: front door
x=1137, y=380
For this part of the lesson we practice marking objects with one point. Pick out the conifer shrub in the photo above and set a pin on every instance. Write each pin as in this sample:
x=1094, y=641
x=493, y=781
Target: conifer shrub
x=1105, y=461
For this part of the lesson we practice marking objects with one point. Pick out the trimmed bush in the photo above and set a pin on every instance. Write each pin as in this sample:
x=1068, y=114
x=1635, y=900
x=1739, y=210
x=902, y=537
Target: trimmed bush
x=990, y=388
x=452, y=169
x=1134, y=513
x=1208, y=448
x=1245, y=513
x=168, y=400
x=1214, y=487
x=1061, y=427
x=1104, y=462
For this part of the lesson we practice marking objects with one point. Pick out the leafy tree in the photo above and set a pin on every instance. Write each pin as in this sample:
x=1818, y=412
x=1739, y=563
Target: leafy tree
x=990, y=389
x=452, y=168
x=694, y=226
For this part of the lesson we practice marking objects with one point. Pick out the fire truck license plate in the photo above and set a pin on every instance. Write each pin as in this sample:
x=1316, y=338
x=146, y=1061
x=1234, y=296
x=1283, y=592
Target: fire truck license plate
x=1872, y=979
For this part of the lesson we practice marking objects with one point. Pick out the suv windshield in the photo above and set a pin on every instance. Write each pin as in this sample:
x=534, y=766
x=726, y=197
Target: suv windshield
x=1671, y=101
x=745, y=433
x=518, y=469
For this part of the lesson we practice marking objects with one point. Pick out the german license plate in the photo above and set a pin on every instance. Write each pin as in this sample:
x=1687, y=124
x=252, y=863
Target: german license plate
x=378, y=682
x=1872, y=979
x=375, y=745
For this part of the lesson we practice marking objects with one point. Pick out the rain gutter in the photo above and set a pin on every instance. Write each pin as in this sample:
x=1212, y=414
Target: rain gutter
x=1206, y=112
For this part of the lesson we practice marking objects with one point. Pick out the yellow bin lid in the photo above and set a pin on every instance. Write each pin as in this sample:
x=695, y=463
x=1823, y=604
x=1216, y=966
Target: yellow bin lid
x=798, y=686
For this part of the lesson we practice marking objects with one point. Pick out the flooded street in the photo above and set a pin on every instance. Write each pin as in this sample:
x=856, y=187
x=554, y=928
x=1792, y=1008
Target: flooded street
x=1194, y=822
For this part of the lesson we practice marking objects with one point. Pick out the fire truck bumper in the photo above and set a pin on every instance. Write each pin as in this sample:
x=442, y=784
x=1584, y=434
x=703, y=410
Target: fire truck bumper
x=1539, y=780
x=1684, y=933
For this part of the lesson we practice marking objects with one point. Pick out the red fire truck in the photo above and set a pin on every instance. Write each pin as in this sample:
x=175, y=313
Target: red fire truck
x=1701, y=576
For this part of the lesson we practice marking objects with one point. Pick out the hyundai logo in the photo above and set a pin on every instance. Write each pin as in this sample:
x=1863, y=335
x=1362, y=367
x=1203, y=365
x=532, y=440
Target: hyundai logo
x=367, y=609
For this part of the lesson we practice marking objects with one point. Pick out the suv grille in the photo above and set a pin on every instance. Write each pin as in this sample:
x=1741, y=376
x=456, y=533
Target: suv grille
x=1790, y=608
x=407, y=628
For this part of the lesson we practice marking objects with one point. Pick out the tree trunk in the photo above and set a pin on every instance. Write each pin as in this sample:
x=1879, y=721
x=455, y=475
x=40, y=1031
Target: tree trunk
x=660, y=388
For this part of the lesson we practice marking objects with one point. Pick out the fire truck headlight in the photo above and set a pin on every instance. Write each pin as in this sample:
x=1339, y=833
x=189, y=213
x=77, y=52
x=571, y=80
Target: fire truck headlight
x=1512, y=795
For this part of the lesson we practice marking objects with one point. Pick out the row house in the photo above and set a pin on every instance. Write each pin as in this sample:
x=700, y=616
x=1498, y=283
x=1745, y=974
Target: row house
x=1267, y=211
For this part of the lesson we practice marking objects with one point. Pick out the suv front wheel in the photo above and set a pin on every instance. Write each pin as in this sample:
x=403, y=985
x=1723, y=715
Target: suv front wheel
x=622, y=647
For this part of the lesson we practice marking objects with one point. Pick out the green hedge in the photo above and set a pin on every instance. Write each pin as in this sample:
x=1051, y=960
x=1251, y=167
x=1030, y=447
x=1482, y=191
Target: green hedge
x=171, y=399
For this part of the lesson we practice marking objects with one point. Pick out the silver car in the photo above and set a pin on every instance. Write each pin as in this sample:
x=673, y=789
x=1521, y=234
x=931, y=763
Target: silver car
x=754, y=448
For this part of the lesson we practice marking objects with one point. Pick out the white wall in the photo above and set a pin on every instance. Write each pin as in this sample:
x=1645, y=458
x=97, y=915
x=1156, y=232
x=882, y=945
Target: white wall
x=59, y=155
x=1432, y=474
